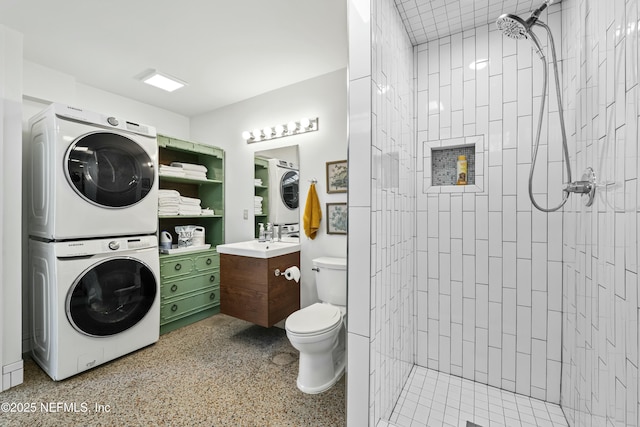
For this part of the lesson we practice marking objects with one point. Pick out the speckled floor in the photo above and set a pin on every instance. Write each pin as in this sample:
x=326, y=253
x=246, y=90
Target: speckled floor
x=218, y=372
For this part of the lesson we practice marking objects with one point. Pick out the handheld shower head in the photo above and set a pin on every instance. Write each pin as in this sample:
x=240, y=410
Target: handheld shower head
x=513, y=26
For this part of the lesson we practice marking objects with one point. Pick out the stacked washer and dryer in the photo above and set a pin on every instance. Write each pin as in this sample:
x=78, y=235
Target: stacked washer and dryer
x=93, y=256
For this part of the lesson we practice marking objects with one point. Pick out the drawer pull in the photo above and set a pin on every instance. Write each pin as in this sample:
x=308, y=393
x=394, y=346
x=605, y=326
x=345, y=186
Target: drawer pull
x=178, y=267
x=212, y=296
x=174, y=307
x=209, y=261
x=174, y=287
x=212, y=278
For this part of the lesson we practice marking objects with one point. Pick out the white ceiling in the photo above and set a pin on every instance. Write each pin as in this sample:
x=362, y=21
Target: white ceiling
x=227, y=51
x=432, y=19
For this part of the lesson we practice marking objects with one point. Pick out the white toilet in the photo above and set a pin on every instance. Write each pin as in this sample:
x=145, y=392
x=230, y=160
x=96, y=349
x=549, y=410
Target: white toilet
x=318, y=331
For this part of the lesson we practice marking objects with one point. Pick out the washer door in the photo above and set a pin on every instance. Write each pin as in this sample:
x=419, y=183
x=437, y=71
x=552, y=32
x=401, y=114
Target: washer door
x=110, y=297
x=109, y=169
x=289, y=189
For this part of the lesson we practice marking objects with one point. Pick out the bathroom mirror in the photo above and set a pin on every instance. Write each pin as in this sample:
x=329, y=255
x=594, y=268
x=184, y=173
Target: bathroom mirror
x=276, y=190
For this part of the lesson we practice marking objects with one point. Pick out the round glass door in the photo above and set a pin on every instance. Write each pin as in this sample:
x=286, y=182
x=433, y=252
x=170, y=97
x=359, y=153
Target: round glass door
x=111, y=297
x=109, y=169
x=289, y=189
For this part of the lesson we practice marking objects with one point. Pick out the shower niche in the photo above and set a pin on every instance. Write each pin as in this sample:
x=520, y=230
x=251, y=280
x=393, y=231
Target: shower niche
x=440, y=160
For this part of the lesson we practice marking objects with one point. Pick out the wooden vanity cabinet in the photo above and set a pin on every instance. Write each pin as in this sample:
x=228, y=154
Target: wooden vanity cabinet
x=250, y=289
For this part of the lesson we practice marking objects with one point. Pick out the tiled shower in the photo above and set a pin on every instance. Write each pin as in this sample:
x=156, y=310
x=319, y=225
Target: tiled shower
x=474, y=281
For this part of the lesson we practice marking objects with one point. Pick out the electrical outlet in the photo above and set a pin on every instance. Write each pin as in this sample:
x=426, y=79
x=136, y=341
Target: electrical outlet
x=245, y=214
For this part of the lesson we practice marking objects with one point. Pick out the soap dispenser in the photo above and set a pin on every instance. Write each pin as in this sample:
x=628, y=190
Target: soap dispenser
x=261, y=234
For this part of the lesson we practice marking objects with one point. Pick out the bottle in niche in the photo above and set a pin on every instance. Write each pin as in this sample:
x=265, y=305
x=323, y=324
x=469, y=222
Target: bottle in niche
x=461, y=170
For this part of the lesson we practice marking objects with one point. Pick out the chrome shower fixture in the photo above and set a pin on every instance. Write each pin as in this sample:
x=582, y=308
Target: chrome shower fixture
x=517, y=28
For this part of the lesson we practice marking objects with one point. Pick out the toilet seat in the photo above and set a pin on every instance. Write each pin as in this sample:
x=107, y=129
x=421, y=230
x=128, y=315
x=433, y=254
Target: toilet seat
x=314, y=319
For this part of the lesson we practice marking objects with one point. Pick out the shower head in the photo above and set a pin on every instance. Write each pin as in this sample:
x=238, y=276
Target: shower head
x=513, y=26
x=517, y=28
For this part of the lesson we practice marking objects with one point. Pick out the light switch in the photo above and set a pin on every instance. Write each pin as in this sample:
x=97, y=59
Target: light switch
x=245, y=214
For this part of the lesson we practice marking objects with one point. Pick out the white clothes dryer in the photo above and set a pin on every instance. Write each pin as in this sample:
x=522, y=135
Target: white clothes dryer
x=92, y=301
x=91, y=175
x=283, y=192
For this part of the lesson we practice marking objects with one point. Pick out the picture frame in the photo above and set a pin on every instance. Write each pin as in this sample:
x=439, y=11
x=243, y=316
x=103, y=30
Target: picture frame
x=336, y=218
x=337, y=177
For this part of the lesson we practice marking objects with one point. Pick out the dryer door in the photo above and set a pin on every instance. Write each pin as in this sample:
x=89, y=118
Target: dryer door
x=289, y=189
x=109, y=169
x=111, y=297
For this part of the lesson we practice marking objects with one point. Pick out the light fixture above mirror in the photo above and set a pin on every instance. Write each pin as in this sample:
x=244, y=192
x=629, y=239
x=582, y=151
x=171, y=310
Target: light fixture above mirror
x=304, y=125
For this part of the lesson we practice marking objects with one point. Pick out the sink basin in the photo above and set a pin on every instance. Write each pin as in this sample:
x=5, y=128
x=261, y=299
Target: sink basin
x=256, y=249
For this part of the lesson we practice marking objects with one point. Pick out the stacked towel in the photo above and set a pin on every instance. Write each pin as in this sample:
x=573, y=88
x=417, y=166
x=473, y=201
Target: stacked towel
x=257, y=205
x=171, y=171
x=206, y=211
x=170, y=203
x=257, y=182
x=191, y=170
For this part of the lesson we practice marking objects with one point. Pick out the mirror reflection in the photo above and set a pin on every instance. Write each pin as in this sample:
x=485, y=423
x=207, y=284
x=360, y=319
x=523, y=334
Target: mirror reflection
x=277, y=195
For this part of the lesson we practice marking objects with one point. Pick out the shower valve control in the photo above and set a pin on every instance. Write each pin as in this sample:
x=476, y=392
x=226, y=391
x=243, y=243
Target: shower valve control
x=586, y=186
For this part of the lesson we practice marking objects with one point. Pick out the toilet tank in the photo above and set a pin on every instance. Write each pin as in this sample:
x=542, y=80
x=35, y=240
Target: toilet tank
x=331, y=279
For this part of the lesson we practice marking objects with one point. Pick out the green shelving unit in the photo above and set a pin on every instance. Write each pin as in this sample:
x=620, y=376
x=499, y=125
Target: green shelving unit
x=262, y=172
x=190, y=281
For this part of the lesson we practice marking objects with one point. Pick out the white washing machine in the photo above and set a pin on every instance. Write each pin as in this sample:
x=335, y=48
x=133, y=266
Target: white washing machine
x=283, y=192
x=91, y=175
x=92, y=301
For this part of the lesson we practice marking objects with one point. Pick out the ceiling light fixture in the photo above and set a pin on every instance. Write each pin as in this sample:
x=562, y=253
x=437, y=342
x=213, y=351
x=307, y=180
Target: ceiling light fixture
x=162, y=81
x=305, y=124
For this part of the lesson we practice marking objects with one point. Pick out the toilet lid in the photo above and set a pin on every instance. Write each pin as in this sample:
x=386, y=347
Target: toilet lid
x=314, y=319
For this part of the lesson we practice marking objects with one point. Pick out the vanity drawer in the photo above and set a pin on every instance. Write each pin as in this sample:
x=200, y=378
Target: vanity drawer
x=190, y=284
x=190, y=304
x=207, y=261
x=175, y=267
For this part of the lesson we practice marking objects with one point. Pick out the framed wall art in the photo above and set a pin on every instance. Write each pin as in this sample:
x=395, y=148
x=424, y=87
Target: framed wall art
x=336, y=218
x=337, y=177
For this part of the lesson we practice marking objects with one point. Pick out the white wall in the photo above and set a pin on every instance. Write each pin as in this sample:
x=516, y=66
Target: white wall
x=600, y=321
x=10, y=207
x=43, y=85
x=382, y=207
x=324, y=97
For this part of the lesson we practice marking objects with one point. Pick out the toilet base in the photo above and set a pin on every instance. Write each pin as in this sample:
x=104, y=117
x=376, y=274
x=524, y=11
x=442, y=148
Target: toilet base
x=320, y=388
x=319, y=372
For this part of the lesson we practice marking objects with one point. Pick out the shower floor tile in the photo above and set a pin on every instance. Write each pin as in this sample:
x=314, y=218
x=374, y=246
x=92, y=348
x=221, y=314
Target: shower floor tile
x=434, y=399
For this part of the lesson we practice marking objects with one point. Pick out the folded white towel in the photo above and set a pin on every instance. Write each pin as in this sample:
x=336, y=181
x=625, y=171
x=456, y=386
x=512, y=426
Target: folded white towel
x=258, y=198
x=189, y=210
x=195, y=175
x=163, y=192
x=257, y=181
x=168, y=202
x=189, y=201
x=189, y=166
x=172, y=173
x=206, y=211
x=165, y=210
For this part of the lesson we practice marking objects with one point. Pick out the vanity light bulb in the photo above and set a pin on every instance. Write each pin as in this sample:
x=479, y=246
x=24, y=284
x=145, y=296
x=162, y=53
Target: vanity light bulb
x=292, y=127
x=246, y=135
x=304, y=123
x=279, y=130
x=268, y=132
x=257, y=134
